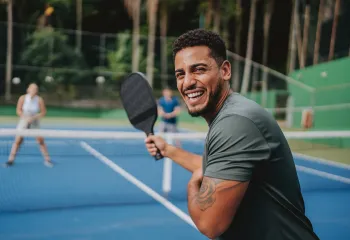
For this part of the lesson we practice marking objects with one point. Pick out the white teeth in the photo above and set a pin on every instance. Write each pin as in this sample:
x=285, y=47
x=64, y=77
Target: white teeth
x=195, y=94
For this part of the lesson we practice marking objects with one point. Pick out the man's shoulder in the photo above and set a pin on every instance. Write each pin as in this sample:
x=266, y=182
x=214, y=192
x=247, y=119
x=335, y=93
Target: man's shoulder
x=241, y=113
x=237, y=107
x=175, y=99
x=230, y=123
x=161, y=100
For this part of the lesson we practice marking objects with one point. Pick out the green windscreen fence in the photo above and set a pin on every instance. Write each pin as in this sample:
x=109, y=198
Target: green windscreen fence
x=330, y=97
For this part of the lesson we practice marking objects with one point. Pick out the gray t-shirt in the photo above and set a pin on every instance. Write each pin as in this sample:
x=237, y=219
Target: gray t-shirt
x=245, y=143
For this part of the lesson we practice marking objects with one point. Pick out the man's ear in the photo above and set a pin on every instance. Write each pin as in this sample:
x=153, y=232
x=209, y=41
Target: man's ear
x=226, y=70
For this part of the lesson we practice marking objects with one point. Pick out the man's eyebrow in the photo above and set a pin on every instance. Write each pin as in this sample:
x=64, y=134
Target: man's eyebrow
x=192, y=66
x=199, y=64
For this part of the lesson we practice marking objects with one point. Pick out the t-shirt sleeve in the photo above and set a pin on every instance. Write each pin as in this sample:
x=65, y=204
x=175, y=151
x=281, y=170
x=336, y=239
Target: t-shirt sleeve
x=160, y=102
x=235, y=147
x=176, y=102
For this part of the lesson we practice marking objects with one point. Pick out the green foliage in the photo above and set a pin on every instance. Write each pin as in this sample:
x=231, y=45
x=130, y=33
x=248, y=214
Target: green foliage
x=203, y=6
x=229, y=9
x=49, y=49
x=120, y=59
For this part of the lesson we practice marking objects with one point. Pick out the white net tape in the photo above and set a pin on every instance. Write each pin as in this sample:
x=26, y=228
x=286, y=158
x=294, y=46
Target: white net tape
x=82, y=134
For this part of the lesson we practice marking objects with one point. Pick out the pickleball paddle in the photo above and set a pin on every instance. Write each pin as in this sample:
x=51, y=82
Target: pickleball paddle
x=140, y=104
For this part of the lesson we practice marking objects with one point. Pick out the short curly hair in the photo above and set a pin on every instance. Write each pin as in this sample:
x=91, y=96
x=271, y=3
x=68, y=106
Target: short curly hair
x=202, y=37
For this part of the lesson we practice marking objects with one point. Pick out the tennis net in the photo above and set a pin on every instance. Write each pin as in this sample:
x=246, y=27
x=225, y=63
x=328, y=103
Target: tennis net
x=87, y=167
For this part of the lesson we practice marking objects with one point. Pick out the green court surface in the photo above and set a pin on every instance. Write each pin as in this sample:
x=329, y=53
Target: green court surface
x=316, y=149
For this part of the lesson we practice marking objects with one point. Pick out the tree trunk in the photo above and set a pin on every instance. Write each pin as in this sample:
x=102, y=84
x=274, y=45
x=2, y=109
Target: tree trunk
x=133, y=8
x=209, y=14
x=334, y=30
x=136, y=36
x=306, y=32
x=164, y=48
x=79, y=12
x=299, y=39
x=225, y=34
x=318, y=32
x=217, y=16
x=9, y=52
x=249, y=53
x=152, y=22
x=292, y=38
x=267, y=21
x=236, y=69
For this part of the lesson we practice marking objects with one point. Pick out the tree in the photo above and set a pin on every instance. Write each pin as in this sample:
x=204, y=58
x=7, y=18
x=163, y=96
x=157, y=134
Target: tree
x=293, y=32
x=334, y=30
x=318, y=32
x=250, y=45
x=164, y=5
x=228, y=10
x=63, y=64
x=61, y=8
x=79, y=19
x=209, y=12
x=118, y=60
x=152, y=7
x=217, y=16
x=133, y=8
x=238, y=30
x=306, y=32
x=267, y=20
x=9, y=51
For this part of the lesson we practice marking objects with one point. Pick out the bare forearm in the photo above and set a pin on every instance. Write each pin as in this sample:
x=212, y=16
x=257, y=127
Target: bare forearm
x=187, y=160
x=39, y=115
x=19, y=113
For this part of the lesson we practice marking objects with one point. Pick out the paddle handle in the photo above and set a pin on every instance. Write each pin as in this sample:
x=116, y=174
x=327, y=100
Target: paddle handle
x=158, y=155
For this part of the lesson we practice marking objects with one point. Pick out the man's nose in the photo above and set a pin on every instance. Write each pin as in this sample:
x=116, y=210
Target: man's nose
x=189, y=81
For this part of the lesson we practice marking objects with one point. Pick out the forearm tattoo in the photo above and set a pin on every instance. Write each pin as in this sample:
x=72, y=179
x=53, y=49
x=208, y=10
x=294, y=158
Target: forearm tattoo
x=205, y=198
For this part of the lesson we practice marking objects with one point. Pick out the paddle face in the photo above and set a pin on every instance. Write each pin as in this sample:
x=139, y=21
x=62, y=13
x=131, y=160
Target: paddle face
x=139, y=103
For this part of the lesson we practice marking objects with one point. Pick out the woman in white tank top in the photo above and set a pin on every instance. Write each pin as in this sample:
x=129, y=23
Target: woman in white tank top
x=30, y=108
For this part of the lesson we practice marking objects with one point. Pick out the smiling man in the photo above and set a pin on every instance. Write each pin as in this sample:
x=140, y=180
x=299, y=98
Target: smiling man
x=245, y=185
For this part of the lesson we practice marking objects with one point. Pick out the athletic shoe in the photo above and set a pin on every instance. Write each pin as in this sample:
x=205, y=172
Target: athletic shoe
x=8, y=164
x=48, y=164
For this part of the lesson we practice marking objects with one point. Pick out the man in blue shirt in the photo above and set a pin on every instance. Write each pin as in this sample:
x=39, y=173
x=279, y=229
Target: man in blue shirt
x=169, y=109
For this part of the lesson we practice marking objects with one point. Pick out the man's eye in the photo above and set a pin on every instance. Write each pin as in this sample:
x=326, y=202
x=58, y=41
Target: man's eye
x=179, y=75
x=200, y=70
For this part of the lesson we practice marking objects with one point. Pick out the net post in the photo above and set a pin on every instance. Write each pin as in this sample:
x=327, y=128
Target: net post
x=167, y=170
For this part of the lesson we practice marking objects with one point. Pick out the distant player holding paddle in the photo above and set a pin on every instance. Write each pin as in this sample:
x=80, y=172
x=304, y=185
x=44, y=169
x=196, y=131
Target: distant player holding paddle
x=30, y=108
x=245, y=186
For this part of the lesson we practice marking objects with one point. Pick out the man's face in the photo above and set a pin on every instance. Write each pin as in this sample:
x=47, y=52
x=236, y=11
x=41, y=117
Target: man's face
x=199, y=79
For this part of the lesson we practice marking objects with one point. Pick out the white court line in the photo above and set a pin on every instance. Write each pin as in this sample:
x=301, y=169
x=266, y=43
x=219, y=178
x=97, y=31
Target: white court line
x=322, y=161
x=171, y=207
x=323, y=174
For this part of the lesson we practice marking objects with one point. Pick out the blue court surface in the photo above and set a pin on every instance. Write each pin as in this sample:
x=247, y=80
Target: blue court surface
x=112, y=189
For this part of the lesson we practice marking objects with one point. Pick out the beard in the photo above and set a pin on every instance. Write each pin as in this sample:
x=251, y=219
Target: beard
x=213, y=100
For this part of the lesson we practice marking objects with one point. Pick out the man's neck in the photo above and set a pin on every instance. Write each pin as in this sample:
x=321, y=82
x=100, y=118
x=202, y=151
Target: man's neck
x=210, y=116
